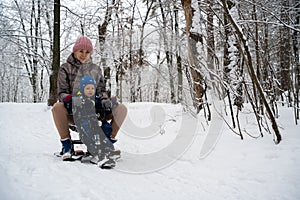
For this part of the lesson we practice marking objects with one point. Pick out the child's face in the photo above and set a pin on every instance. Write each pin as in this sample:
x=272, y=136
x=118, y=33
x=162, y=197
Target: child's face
x=89, y=90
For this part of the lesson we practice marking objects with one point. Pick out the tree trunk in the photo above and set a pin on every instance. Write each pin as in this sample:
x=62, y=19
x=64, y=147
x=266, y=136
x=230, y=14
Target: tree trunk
x=56, y=55
x=284, y=49
x=210, y=36
x=296, y=46
x=178, y=56
x=258, y=102
x=197, y=78
x=158, y=64
x=132, y=70
x=227, y=63
x=102, y=29
x=168, y=52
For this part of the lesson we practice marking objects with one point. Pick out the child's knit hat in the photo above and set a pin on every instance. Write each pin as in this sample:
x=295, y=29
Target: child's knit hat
x=83, y=43
x=84, y=81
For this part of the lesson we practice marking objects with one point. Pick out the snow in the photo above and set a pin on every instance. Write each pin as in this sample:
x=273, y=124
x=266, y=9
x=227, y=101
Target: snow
x=161, y=148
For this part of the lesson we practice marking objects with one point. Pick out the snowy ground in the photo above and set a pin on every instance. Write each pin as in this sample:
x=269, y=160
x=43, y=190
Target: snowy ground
x=167, y=154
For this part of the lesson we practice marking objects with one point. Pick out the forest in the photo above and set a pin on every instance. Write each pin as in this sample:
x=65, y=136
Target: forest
x=239, y=51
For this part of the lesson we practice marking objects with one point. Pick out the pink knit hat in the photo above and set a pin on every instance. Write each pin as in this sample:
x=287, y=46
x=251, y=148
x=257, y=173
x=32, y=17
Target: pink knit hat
x=83, y=43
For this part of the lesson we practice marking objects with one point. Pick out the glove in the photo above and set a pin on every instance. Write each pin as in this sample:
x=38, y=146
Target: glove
x=102, y=107
x=114, y=102
x=67, y=98
x=68, y=103
x=106, y=104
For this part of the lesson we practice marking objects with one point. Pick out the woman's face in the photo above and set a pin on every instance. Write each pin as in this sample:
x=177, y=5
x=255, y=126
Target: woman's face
x=82, y=55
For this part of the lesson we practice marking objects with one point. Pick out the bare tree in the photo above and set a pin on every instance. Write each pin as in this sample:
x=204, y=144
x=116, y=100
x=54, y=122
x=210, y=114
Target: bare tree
x=167, y=41
x=262, y=40
x=197, y=77
x=285, y=51
x=178, y=54
x=56, y=54
x=251, y=71
x=132, y=69
x=296, y=68
x=102, y=31
x=141, y=54
x=31, y=46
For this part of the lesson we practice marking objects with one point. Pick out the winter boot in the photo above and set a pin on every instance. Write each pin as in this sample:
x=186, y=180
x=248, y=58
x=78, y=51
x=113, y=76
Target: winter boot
x=115, y=155
x=106, y=163
x=113, y=140
x=110, y=151
x=106, y=127
x=67, y=149
x=103, y=162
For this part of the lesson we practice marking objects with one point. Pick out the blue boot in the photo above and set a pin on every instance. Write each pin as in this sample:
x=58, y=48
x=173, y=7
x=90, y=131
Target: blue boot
x=67, y=149
x=106, y=127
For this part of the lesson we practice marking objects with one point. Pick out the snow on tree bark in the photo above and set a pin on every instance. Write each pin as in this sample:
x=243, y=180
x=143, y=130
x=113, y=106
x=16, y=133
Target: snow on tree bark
x=197, y=77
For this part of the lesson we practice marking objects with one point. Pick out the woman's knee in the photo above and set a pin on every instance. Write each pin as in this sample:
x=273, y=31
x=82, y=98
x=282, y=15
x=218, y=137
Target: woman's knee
x=121, y=109
x=58, y=107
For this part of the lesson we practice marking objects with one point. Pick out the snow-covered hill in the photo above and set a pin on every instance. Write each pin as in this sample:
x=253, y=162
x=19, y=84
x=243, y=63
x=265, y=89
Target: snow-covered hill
x=161, y=148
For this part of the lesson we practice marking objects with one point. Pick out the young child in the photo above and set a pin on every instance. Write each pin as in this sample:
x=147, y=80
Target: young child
x=87, y=90
x=86, y=120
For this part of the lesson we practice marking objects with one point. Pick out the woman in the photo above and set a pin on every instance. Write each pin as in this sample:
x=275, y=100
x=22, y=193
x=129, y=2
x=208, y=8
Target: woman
x=80, y=64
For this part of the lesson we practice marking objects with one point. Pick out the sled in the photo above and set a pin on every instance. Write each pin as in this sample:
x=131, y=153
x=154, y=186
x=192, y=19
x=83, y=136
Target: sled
x=81, y=153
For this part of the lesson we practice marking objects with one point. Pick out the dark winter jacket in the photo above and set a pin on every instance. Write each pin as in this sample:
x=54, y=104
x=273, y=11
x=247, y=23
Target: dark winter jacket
x=85, y=108
x=72, y=71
